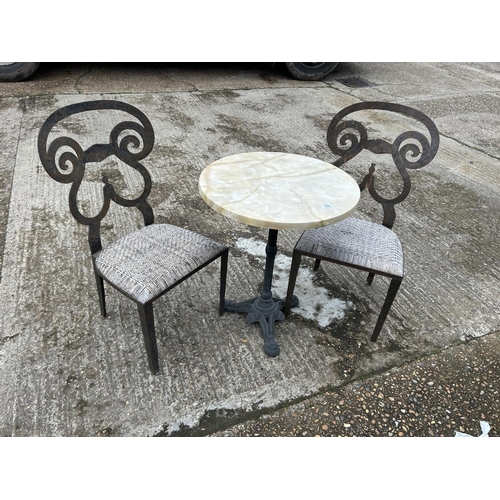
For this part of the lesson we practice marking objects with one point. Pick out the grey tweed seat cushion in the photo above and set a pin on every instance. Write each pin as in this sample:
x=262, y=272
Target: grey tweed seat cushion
x=356, y=242
x=148, y=261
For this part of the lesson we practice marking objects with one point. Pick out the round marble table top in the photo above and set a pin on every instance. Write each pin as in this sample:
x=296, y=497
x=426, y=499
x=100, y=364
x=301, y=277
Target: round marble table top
x=278, y=190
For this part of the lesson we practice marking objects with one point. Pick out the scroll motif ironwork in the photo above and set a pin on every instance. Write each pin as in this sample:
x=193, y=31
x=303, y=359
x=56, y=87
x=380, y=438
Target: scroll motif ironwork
x=348, y=138
x=69, y=167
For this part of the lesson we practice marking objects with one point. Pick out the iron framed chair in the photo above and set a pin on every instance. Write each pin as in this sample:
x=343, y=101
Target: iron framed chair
x=358, y=243
x=146, y=263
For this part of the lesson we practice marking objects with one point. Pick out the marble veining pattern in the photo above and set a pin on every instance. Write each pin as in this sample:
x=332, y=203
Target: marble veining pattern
x=278, y=190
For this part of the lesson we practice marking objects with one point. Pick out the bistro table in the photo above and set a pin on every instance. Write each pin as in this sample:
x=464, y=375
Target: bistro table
x=276, y=191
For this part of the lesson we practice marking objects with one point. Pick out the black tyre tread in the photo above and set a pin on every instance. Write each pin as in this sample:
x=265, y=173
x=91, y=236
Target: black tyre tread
x=18, y=71
x=302, y=72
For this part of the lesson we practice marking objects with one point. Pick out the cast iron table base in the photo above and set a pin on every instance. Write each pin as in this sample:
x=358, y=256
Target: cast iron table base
x=264, y=309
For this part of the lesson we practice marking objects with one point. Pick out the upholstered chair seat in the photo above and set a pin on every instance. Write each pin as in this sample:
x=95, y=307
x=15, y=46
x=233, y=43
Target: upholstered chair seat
x=149, y=261
x=358, y=243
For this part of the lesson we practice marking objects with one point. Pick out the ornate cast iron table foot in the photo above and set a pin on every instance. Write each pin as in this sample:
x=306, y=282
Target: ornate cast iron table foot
x=265, y=312
x=264, y=309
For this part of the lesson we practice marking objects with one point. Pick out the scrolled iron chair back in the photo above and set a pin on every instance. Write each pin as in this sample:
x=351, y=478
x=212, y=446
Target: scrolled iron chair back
x=348, y=138
x=70, y=166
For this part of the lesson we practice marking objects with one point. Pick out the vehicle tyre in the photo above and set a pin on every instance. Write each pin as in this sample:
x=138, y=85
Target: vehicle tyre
x=17, y=71
x=310, y=70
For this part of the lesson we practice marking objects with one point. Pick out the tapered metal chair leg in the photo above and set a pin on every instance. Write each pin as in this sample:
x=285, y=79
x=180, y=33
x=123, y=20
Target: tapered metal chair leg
x=316, y=264
x=369, y=280
x=291, y=282
x=148, y=331
x=100, y=291
x=223, y=279
x=391, y=294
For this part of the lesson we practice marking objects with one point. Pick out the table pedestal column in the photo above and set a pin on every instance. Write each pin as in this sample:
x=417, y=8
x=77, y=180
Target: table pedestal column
x=264, y=309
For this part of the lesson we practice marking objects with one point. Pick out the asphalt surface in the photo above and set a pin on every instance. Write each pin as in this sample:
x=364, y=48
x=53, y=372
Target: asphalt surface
x=434, y=371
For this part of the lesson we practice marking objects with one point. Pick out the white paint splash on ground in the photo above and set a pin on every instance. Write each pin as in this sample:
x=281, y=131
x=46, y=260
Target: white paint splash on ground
x=314, y=301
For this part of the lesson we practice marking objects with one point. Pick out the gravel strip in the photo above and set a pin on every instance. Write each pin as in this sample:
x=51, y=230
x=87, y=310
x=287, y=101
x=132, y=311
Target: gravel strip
x=436, y=396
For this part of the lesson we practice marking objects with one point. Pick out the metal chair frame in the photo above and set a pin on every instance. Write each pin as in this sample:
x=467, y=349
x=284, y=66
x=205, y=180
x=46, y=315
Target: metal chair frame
x=71, y=170
x=347, y=139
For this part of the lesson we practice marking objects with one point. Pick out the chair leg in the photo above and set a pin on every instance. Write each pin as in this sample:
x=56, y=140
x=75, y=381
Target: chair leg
x=316, y=264
x=369, y=281
x=391, y=294
x=223, y=279
x=148, y=331
x=100, y=291
x=291, y=282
